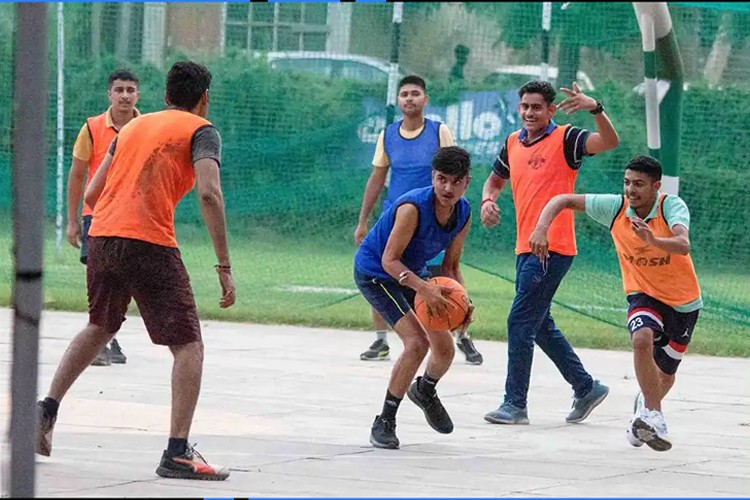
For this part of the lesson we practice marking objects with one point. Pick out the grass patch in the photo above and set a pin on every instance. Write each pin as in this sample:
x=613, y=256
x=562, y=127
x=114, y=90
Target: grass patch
x=280, y=281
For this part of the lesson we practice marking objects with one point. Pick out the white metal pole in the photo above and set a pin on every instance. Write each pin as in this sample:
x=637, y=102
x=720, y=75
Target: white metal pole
x=546, y=25
x=60, y=124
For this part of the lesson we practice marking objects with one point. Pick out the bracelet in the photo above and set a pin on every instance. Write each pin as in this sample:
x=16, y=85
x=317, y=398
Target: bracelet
x=220, y=267
x=485, y=201
x=403, y=276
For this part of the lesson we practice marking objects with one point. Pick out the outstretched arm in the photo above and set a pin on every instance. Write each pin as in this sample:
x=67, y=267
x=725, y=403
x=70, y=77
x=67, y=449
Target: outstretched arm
x=538, y=240
x=605, y=137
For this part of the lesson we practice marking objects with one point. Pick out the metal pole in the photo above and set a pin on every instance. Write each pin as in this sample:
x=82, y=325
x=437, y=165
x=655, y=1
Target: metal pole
x=60, y=123
x=546, y=25
x=390, y=113
x=29, y=116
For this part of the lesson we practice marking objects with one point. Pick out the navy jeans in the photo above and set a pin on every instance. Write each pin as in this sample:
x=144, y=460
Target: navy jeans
x=530, y=321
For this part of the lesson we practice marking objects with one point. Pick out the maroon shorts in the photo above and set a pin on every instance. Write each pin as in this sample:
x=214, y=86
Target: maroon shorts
x=119, y=269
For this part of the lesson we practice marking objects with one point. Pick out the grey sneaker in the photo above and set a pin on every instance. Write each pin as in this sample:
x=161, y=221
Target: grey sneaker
x=508, y=413
x=582, y=407
x=116, y=356
x=466, y=346
x=378, y=351
x=103, y=358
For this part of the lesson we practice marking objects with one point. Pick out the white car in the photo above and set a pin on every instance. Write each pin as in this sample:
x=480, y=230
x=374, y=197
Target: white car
x=514, y=76
x=362, y=68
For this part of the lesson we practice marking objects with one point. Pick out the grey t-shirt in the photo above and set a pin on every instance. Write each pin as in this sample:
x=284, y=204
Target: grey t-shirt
x=205, y=143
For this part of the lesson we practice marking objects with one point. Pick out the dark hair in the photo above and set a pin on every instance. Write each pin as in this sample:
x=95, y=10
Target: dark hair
x=413, y=80
x=121, y=74
x=187, y=81
x=647, y=165
x=452, y=161
x=538, y=87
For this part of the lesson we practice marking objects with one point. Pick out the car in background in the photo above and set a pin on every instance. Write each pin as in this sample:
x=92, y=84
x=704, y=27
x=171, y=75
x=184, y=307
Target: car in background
x=514, y=76
x=350, y=66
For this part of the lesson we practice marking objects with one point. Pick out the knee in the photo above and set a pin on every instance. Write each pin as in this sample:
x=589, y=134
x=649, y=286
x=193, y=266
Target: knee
x=416, y=345
x=643, y=340
x=193, y=350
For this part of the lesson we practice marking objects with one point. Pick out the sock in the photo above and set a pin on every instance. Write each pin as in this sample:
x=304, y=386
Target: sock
x=381, y=335
x=51, y=406
x=427, y=384
x=390, y=406
x=177, y=446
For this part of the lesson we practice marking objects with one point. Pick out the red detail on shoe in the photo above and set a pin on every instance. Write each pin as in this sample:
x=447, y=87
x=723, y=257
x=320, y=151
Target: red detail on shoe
x=198, y=467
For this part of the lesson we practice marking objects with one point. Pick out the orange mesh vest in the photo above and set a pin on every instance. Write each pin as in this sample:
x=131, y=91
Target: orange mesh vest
x=150, y=173
x=667, y=277
x=101, y=138
x=537, y=173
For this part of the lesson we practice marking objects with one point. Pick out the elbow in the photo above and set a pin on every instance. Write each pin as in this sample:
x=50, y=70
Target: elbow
x=209, y=197
x=89, y=198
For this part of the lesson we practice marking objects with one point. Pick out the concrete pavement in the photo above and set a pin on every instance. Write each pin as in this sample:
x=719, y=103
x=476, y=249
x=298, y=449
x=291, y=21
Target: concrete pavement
x=289, y=409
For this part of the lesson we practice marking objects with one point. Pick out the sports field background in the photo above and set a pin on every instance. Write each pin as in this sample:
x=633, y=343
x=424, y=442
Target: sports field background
x=295, y=164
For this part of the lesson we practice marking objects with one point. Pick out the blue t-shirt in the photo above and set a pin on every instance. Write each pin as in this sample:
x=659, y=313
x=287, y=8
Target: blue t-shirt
x=428, y=240
x=411, y=159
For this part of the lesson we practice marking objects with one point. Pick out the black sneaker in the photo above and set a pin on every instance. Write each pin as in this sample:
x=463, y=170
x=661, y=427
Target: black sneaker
x=116, y=356
x=383, y=434
x=433, y=409
x=102, y=359
x=466, y=346
x=189, y=465
x=378, y=351
x=44, y=428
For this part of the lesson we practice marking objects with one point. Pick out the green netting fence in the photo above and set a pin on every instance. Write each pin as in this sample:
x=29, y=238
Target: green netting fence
x=299, y=95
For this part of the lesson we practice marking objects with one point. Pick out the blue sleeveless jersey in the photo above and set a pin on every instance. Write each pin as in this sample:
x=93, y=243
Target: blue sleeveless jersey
x=411, y=159
x=428, y=241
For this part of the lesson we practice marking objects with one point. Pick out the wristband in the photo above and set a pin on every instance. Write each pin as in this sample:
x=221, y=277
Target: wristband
x=403, y=276
x=485, y=201
x=221, y=268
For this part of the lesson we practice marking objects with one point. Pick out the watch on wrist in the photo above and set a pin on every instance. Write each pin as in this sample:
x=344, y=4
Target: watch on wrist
x=598, y=109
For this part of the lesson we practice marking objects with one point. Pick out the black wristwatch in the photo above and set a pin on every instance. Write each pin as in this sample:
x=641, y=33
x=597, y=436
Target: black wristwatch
x=599, y=108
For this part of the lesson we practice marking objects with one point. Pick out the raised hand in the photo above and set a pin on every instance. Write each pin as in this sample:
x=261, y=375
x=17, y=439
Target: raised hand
x=576, y=101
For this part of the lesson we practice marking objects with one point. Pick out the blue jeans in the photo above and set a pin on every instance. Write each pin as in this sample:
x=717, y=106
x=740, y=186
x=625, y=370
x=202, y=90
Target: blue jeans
x=530, y=321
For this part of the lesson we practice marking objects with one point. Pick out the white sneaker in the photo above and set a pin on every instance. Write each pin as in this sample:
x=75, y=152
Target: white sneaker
x=631, y=437
x=651, y=428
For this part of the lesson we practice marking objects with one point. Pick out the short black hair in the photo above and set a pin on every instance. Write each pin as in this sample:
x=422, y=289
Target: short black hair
x=413, y=80
x=452, y=160
x=121, y=74
x=647, y=165
x=538, y=87
x=187, y=81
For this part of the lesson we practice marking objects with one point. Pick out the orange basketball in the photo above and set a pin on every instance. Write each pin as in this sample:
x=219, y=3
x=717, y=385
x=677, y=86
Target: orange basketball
x=458, y=306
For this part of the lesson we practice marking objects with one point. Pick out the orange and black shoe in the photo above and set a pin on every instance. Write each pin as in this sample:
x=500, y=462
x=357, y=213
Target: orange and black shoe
x=189, y=465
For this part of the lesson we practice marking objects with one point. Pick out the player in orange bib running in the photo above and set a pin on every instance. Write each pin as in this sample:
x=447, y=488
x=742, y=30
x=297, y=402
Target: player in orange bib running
x=650, y=233
x=153, y=162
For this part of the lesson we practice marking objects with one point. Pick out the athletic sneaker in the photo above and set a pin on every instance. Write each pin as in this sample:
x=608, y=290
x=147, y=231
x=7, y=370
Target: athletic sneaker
x=378, y=351
x=44, y=428
x=508, y=413
x=629, y=434
x=651, y=428
x=103, y=358
x=582, y=407
x=466, y=346
x=433, y=409
x=116, y=356
x=383, y=434
x=189, y=465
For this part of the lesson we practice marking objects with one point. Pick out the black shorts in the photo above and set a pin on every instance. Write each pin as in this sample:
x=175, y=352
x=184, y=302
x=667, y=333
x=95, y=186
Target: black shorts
x=391, y=300
x=672, y=329
x=121, y=268
x=85, y=226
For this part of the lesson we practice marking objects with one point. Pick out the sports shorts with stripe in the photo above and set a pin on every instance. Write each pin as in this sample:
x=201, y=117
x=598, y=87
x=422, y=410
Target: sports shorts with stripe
x=386, y=296
x=672, y=329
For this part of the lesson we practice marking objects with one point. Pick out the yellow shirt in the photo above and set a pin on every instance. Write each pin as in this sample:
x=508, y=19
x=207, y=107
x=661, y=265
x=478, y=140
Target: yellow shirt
x=83, y=146
x=380, y=159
